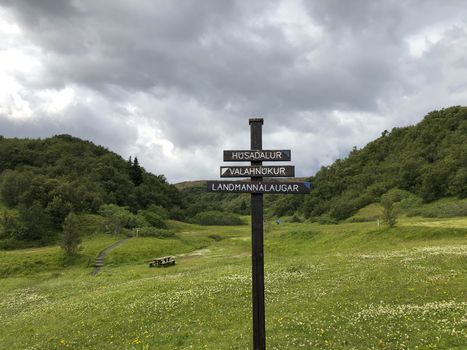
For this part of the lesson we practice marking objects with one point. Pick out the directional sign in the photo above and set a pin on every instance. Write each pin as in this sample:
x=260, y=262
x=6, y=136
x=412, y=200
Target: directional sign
x=257, y=171
x=259, y=187
x=257, y=156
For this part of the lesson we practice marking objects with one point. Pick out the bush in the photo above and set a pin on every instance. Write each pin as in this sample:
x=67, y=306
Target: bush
x=13, y=244
x=177, y=214
x=153, y=219
x=216, y=218
x=90, y=224
x=9, y=224
x=157, y=209
x=361, y=219
x=116, y=218
x=71, y=239
x=155, y=232
x=343, y=209
x=295, y=219
x=389, y=211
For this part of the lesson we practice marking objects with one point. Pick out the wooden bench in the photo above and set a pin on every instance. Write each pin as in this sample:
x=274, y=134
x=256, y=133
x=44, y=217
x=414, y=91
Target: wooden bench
x=162, y=262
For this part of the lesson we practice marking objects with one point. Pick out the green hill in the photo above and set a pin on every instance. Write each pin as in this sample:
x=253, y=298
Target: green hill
x=428, y=161
x=43, y=180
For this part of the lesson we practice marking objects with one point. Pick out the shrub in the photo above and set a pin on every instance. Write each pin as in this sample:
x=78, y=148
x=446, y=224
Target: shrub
x=177, y=214
x=116, y=218
x=13, y=244
x=216, y=218
x=71, y=239
x=389, y=202
x=90, y=224
x=295, y=219
x=9, y=224
x=361, y=219
x=389, y=212
x=157, y=209
x=153, y=219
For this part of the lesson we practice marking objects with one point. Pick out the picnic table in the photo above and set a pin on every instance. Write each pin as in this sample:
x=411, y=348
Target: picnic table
x=162, y=262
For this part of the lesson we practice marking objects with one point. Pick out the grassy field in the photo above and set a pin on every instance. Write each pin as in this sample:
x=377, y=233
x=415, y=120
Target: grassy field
x=346, y=286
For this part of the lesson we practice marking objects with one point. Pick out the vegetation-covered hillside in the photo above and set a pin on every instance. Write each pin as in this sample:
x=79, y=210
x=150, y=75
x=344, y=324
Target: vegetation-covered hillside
x=428, y=160
x=44, y=180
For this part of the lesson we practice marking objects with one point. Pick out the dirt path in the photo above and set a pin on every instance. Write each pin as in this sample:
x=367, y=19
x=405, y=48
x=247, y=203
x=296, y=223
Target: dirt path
x=99, y=262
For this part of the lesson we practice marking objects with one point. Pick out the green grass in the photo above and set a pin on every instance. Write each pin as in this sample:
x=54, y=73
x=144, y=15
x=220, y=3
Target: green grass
x=346, y=286
x=32, y=261
x=370, y=212
x=442, y=208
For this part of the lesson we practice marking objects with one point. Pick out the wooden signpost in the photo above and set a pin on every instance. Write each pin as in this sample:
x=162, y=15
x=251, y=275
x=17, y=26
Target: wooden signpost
x=256, y=155
x=259, y=187
x=249, y=171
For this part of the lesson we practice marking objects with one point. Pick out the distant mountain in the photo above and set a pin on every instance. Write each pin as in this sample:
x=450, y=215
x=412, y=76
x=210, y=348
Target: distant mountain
x=188, y=184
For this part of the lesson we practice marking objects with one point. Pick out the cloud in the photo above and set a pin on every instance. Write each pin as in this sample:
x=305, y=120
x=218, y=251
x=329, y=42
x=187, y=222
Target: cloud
x=175, y=82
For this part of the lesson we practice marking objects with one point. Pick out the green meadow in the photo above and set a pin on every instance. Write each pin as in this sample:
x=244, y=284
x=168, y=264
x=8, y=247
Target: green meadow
x=347, y=286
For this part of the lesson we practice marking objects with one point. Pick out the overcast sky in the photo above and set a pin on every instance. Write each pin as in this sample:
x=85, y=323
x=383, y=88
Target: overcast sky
x=174, y=82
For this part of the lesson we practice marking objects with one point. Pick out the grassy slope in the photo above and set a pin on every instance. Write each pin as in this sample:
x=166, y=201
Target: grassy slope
x=347, y=286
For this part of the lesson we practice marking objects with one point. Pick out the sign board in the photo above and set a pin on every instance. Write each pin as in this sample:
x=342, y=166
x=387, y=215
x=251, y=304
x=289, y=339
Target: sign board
x=257, y=156
x=259, y=187
x=258, y=171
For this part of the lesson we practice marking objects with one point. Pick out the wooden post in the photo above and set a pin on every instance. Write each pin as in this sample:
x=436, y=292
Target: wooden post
x=259, y=332
x=257, y=187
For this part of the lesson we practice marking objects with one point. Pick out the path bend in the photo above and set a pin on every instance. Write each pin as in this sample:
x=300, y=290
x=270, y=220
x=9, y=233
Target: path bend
x=99, y=262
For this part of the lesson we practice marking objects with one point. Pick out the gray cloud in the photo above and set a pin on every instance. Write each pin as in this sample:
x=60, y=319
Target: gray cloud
x=176, y=81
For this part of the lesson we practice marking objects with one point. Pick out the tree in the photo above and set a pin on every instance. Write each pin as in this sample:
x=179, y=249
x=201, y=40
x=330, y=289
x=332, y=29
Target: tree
x=155, y=216
x=388, y=201
x=129, y=164
x=35, y=223
x=136, y=173
x=58, y=209
x=14, y=184
x=71, y=239
x=389, y=212
x=10, y=224
x=116, y=217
